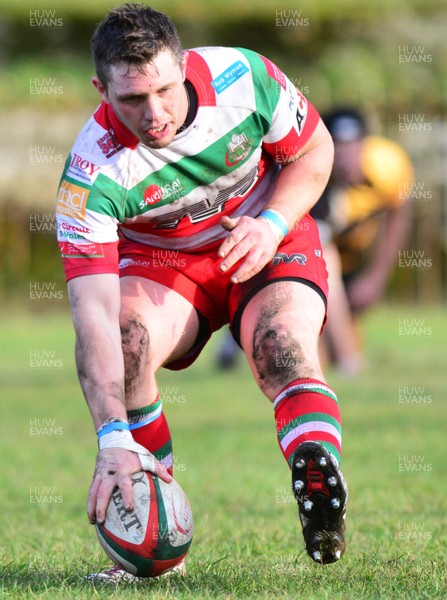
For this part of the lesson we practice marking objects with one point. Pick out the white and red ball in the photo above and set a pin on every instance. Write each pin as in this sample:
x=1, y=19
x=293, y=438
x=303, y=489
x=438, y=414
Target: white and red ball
x=156, y=535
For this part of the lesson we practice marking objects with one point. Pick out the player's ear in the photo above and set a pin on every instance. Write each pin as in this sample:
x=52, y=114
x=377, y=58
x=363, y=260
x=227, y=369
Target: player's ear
x=185, y=55
x=102, y=90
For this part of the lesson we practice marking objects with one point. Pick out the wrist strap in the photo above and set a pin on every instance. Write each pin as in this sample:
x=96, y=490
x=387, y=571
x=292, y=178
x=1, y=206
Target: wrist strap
x=123, y=439
x=112, y=424
x=275, y=218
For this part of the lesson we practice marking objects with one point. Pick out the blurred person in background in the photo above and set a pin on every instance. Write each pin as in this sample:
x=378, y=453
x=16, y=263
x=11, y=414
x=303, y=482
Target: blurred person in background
x=364, y=218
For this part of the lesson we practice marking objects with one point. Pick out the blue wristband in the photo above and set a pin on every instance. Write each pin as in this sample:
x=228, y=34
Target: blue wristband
x=113, y=426
x=276, y=218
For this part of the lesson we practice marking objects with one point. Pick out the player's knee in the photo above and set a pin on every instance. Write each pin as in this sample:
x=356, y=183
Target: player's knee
x=278, y=355
x=135, y=345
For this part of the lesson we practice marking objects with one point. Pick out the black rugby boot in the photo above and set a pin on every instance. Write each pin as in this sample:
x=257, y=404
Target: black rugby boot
x=321, y=492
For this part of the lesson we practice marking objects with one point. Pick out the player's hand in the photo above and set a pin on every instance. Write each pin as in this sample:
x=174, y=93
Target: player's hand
x=114, y=466
x=250, y=239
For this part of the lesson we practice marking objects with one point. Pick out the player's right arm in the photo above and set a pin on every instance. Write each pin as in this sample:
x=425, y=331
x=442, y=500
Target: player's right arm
x=95, y=303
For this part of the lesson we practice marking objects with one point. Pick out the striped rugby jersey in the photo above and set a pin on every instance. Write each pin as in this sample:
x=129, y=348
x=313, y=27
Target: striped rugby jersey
x=250, y=119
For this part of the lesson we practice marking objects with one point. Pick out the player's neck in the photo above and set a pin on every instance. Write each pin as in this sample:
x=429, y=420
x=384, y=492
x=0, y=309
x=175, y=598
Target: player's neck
x=189, y=105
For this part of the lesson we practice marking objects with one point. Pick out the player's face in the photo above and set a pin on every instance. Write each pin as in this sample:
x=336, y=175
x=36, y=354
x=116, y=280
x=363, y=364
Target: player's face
x=347, y=161
x=151, y=102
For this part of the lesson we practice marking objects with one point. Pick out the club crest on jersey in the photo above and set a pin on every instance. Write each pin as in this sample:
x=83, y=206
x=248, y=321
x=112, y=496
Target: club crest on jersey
x=109, y=144
x=238, y=148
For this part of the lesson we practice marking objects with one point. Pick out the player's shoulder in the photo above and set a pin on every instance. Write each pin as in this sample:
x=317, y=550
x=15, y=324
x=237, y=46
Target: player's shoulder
x=235, y=77
x=222, y=55
x=97, y=149
x=224, y=65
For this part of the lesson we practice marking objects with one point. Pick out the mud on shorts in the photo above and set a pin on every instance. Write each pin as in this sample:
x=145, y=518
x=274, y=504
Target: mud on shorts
x=218, y=301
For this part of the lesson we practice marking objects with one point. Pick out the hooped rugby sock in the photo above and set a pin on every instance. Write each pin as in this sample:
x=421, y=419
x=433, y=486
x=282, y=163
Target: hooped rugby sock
x=306, y=410
x=150, y=428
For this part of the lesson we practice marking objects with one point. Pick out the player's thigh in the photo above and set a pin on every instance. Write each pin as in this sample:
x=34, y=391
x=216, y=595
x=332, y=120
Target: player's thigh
x=152, y=311
x=280, y=327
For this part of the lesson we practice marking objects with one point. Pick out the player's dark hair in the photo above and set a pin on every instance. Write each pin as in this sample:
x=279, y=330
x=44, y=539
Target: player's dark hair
x=134, y=34
x=345, y=123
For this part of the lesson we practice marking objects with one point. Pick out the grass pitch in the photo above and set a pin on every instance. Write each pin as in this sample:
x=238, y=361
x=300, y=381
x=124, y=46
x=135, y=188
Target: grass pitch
x=247, y=541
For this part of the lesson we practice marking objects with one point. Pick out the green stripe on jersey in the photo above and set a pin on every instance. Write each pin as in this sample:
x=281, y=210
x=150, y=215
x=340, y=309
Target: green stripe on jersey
x=201, y=169
x=266, y=88
x=178, y=179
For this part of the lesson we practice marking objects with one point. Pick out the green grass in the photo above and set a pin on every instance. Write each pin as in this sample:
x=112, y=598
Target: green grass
x=247, y=541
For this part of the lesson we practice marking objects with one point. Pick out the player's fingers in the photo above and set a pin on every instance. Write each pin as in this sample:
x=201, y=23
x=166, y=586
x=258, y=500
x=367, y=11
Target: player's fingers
x=238, y=251
x=151, y=464
x=228, y=223
x=91, y=502
x=125, y=486
x=254, y=262
x=162, y=472
x=105, y=490
x=236, y=234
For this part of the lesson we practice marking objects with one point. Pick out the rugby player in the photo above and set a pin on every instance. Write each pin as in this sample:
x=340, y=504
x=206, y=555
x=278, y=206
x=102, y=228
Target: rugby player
x=186, y=197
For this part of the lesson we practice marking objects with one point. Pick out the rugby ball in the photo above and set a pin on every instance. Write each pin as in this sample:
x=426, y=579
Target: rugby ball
x=156, y=535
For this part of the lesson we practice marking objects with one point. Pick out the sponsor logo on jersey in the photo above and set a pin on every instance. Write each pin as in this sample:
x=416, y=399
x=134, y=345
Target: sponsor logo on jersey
x=229, y=76
x=301, y=111
x=72, y=232
x=154, y=194
x=70, y=250
x=282, y=257
x=72, y=200
x=68, y=227
x=131, y=262
x=109, y=143
x=238, y=148
x=81, y=168
x=275, y=73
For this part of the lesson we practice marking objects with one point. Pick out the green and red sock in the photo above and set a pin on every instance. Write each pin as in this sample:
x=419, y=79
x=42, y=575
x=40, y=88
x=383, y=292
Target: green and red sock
x=306, y=410
x=149, y=428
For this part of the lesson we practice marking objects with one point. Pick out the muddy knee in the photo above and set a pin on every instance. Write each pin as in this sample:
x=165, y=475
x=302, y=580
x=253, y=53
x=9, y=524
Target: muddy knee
x=278, y=355
x=135, y=345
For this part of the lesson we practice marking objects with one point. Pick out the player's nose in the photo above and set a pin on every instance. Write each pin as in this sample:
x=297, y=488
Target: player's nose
x=153, y=110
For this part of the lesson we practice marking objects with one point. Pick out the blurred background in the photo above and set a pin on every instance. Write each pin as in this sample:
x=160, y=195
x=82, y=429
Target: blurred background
x=387, y=58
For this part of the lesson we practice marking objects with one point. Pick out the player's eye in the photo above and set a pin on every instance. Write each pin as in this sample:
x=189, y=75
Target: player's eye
x=132, y=100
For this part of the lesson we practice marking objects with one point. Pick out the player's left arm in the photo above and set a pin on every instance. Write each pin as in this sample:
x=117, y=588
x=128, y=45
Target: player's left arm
x=300, y=184
x=369, y=286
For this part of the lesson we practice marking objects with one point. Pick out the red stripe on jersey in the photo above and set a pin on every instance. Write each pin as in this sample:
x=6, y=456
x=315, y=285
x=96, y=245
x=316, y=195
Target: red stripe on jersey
x=106, y=117
x=90, y=265
x=274, y=72
x=290, y=145
x=199, y=74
